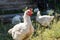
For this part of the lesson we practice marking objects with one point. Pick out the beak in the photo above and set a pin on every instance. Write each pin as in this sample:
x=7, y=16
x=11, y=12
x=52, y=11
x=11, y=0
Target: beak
x=32, y=12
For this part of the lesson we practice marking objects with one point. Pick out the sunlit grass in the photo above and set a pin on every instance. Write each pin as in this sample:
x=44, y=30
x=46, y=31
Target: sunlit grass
x=47, y=34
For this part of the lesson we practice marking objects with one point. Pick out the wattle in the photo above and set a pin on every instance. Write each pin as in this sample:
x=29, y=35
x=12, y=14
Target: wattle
x=30, y=14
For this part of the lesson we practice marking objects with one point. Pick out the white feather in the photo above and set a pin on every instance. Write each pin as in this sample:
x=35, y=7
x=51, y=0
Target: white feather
x=23, y=30
x=44, y=20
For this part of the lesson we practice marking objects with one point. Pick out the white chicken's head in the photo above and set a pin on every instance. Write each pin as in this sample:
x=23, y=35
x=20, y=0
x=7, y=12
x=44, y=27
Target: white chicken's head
x=29, y=12
x=38, y=13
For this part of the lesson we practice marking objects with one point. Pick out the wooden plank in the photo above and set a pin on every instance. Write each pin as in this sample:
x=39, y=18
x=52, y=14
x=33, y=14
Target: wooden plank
x=14, y=4
x=10, y=15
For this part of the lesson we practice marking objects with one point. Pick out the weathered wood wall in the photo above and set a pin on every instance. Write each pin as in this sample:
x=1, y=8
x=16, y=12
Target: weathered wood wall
x=14, y=4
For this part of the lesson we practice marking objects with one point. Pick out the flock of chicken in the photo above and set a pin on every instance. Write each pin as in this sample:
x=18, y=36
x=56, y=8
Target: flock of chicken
x=23, y=31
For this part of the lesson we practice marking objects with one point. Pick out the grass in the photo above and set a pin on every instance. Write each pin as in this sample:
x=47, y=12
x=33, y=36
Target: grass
x=47, y=34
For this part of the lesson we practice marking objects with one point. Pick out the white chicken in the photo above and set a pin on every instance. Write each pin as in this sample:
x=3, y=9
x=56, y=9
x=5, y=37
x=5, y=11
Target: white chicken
x=44, y=20
x=23, y=31
x=16, y=19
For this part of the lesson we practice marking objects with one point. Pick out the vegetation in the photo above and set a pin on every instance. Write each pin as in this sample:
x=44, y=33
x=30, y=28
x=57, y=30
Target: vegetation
x=46, y=34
